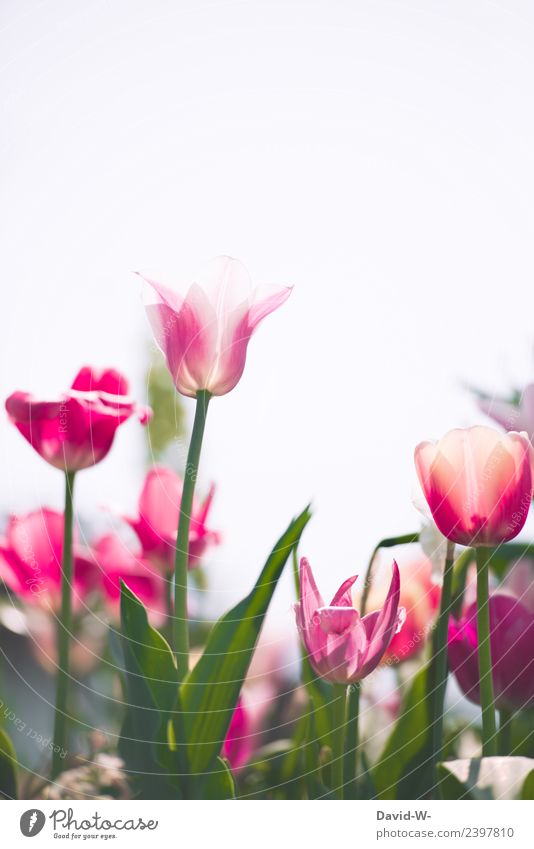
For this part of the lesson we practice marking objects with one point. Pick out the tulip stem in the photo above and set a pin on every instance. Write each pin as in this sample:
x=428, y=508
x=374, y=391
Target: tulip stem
x=64, y=629
x=438, y=670
x=181, y=624
x=505, y=732
x=487, y=698
x=338, y=738
x=352, y=740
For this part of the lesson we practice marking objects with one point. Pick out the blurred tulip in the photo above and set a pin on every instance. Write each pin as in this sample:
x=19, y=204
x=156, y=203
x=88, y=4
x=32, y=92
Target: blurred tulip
x=419, y=596
x=76, y=429
x=343, y=647
x=117, y=562
x=237, y=747
x=510, y=416
x=478, y=484
x=157, y=519
x=30, y=559
x=204, y=334
x=519, y=582
x=245, y=732
x=512, y=652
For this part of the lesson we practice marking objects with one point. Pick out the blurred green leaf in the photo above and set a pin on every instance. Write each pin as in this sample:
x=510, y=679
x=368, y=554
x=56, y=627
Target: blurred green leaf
x=527, y=791
x=210, y=692
x=486, y=778
x=8, y=761
x=220, y=783
x=168, y=422
x=504, y=556
x=403, y=770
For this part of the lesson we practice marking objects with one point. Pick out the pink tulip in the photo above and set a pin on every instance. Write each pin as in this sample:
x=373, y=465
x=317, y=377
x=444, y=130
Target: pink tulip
x=157, y=519
x=204, y=334
x=512, y=652
x=237, y=747
x=478, y=484
x=30, y=559
x=245, y=733
x=76, y=429
x=342, y=647
x=116, y=562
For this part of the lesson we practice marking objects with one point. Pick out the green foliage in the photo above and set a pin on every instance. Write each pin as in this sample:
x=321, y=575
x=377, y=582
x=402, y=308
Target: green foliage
x=167, y=423
x=151, y=692
x=211, y=690
x=172, y=735
x=8, y=761
x=403, y=770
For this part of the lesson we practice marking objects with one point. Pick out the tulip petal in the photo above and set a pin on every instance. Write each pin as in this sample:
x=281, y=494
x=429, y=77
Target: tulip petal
x=336, y=620
x=343, y=597
x=381, y=628
x=310, y=597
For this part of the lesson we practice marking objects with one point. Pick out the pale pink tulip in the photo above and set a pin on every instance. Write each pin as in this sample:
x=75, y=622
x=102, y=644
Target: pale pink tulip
x=478, y=484
x=157, y=519
x=342, y=646
x=205, y=332
x=510, y=416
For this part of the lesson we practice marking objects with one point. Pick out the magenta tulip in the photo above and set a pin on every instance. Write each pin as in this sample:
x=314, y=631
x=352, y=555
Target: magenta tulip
x=342, y=646
x=157, y=519
x=116, y=563
x=478, y=484
x=237, y=747
x=205, y=332
x=512, y=652
x=76, y=429
x=30, y=560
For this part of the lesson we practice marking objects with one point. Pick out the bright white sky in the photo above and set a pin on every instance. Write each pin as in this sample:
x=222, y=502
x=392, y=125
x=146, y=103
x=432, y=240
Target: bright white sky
x=377, y=155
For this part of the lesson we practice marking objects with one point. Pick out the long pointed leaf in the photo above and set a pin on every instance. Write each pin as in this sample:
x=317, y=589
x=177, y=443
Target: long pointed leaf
x=210, y=692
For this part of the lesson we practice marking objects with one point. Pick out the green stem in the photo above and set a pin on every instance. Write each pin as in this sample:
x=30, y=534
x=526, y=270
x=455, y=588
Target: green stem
x=487, y=699
x=181, y=625
x=64, y=629
x=338, y=738
x=505, y=732
x=459, y=579
x=438, y=672
x=352, y=740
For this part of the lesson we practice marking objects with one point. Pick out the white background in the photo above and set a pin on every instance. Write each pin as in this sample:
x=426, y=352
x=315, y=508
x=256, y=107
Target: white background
x=377, y=155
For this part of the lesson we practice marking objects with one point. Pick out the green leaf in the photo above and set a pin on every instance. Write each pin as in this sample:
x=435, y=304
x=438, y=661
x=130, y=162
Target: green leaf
x=8, y=761
x=151, y=651
x=527, y=791
x=486, y=778
x=220, y=783
x=151, y=695
x=403, y=769
x=210, y=692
